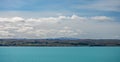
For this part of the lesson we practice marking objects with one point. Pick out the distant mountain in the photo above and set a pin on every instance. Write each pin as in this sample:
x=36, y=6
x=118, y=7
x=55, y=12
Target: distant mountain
x=62, y=41
x=64, y=38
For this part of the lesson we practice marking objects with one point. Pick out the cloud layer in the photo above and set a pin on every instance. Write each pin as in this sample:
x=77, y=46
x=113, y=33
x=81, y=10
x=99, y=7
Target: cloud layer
x=101, y=5
x=61, y=26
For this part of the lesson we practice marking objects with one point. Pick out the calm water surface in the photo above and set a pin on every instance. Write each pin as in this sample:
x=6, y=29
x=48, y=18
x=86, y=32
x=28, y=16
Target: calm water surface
x=59, y=54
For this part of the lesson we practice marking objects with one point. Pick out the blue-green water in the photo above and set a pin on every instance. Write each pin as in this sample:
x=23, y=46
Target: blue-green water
x=59, y=54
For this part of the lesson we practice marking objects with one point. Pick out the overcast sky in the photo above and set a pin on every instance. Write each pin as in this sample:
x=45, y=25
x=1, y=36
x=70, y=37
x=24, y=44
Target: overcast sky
x=84, y=19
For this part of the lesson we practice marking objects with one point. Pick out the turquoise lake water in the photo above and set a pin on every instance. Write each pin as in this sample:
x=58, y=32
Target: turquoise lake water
x=59, y=54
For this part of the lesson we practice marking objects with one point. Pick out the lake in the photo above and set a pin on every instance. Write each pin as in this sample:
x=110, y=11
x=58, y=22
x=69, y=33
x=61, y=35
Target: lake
x=59, y=54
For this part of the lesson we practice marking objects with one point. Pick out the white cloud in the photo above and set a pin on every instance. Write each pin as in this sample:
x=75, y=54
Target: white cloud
x=104, y=5
x=6, y=34
x=101, y=18
x=107, y=5
x=14, y=19
x=17, y=19
x=24, y=29
x=61, y=26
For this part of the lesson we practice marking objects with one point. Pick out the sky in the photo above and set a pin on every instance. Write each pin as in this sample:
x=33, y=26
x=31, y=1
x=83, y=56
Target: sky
x=84, y=19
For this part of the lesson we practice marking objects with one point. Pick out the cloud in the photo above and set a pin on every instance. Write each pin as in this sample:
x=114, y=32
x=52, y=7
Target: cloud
x=101, y=18
x=61, y=26
x=102, y=5
x=14, y=19
x=107, y=5
x=24, y=29
x=5, y=34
